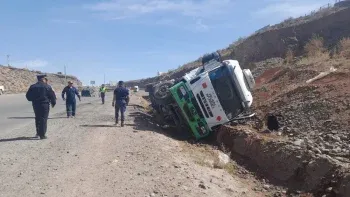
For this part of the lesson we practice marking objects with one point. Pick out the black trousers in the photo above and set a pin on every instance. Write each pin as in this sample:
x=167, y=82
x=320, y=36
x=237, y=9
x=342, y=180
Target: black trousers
x=103, y=97
x=41, y=111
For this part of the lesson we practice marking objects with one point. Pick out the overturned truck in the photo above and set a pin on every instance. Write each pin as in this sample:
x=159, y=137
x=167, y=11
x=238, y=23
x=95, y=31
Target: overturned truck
x=214, y=94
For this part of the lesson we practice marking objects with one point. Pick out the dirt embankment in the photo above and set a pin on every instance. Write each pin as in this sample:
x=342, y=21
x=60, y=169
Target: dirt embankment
x=276, y=42
x=18, y=80
x=332, y=24
x=317, y=112
x=300, y=137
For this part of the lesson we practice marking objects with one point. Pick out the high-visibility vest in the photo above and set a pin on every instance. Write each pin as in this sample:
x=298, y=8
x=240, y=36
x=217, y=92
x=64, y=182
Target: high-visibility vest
x=103, y=90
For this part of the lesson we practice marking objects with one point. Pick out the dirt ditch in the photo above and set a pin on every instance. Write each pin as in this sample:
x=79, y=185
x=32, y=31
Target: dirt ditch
x=286, y=163
x=267, y=153
x=302, y=139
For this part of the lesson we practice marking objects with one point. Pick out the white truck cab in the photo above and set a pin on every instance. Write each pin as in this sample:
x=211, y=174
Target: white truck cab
x=222, y=89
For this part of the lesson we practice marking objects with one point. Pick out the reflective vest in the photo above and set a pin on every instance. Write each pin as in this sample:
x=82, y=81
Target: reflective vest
x=103, y=90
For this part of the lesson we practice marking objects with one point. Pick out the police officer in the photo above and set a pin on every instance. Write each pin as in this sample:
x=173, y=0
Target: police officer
x=120, y=101
x=71, y=103
x=103, y=93
x=41, y=95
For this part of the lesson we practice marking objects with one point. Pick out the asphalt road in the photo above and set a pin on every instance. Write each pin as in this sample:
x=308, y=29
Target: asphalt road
x=16, y=111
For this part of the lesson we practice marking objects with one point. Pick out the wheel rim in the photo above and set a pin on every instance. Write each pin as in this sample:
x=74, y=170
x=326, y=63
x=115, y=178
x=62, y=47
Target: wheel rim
x=163, y=91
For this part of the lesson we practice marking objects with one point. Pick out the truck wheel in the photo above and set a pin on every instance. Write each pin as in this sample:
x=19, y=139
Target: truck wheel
x=162, y=93
x=149, y=88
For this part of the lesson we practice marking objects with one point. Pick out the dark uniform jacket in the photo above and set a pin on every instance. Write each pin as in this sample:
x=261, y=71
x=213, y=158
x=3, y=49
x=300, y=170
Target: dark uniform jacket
x=70, y=93
x=41, y=93
x=121, y=95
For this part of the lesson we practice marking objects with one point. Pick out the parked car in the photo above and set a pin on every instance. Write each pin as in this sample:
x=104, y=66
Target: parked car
x=86, y=93
x=136, y=88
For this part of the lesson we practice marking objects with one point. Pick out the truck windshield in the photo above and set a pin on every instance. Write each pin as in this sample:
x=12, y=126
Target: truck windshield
x=223, y=84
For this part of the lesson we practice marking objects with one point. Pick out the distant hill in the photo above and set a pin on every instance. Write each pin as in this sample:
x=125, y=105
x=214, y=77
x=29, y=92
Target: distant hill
x=17, y=80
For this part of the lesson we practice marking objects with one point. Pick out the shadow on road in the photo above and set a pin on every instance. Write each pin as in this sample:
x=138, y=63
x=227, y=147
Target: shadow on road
x=146, y=98
x=22, y=118
x=130, y=125
x=94, y=126
x=18, y=139
x=135, y=105
x=145, y=122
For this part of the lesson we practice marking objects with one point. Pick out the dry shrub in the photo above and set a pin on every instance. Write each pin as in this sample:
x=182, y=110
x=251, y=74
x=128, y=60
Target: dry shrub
x=316, y=53
x=315, y=60
x=344, y=47
x=315, y=47
x=289, y=56
x=251, y=65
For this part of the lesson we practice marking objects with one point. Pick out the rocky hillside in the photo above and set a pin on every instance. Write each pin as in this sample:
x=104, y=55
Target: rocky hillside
x=307, y=100
x=332, y=26
x=18, y=80
x=290, y=36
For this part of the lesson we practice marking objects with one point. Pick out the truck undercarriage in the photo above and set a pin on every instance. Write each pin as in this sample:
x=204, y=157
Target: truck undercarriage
x=205, y=98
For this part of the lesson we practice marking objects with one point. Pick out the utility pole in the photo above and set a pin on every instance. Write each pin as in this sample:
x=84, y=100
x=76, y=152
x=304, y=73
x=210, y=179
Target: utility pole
x=65, y=74
x=8, y=60
x=104, y=78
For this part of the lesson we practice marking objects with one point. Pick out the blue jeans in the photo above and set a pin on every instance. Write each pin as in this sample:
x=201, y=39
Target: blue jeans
x=71, y=107
x=120, y=106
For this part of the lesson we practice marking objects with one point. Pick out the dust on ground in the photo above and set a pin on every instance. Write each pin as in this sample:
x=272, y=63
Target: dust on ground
x=89, y=156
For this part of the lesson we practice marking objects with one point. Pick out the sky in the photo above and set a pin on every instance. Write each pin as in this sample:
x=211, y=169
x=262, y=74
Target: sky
x=129, y=39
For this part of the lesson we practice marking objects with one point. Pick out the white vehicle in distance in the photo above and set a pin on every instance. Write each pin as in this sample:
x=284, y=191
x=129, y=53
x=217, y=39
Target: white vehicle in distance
x=136, y=88
x=2, y=90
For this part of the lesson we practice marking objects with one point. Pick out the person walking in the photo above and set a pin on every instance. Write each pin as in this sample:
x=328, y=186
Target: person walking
x=41, y=95
x=103, y=93
x=120, y=101
x=71, y=103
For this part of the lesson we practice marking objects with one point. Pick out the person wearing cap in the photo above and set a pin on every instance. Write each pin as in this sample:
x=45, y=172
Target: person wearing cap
x=120, y=101
x=103, y=93
x=41, y=95
x=71, y=103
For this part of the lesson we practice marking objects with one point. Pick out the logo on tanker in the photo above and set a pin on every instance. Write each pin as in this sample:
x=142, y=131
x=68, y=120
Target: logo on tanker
x=211, y=100
x=205, y=102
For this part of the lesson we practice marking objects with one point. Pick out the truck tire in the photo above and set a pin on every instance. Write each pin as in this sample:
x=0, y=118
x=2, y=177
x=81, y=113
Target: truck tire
x=162, y=93
x=149, y=88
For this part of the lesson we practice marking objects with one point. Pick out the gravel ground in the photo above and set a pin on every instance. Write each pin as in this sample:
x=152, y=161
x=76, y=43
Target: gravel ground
x=313, y=116
x=89, y=156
